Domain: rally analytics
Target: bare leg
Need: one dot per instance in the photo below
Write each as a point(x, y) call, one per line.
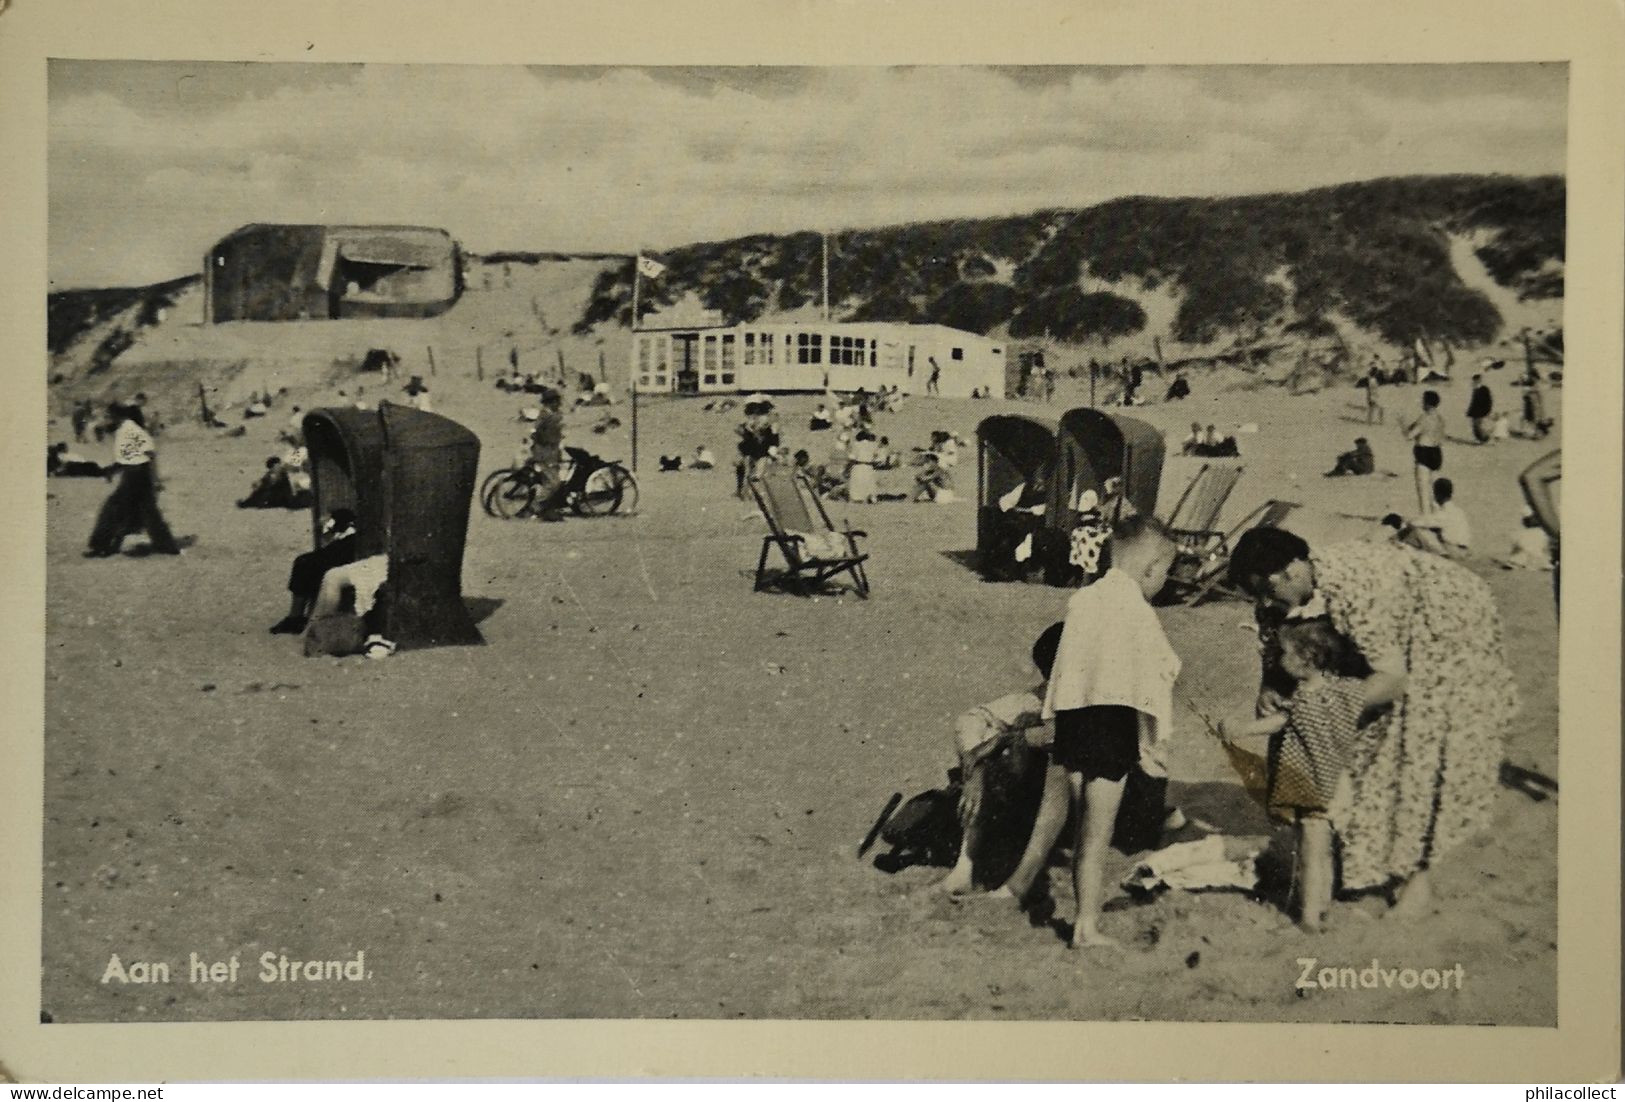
point(1314, 871)
point(1097, 817)
point(1053, 808)
point(1424, 489)
point(960, 879)
point(1415, 897)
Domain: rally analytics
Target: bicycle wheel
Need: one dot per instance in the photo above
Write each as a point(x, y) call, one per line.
point(609, 489)
point(512, 496)
point(488, 487)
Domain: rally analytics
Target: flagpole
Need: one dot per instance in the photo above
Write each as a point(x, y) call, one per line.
point(637, 283)
point(826, 276)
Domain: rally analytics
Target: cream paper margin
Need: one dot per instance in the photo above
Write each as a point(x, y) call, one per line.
point(1587, 34)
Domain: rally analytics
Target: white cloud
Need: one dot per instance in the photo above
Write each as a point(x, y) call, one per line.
point(504, 157)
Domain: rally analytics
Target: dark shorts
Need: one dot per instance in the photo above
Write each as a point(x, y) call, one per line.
point(1430, 457)
point(1100, 742)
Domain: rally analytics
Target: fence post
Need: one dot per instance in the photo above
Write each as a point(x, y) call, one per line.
point(431, 359)
point(479, 364)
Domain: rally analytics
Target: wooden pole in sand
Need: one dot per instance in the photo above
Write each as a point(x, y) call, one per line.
point(479, 364)
point(431, 359)
point(560, 352)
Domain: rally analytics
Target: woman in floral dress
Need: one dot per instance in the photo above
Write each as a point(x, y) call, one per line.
point(1423, 774)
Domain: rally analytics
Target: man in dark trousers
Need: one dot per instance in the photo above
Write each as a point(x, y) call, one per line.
point(305, 578)
point(1479, 408)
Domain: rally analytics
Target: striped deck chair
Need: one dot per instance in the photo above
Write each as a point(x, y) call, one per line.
point(814, 550)
point(1195, 581)
point(1195, 517)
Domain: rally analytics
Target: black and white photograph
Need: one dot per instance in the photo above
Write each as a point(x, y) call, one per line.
point(942, 542)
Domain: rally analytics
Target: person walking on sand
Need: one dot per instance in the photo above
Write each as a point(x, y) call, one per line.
point(1479, 408)
point(1426, 435)
point(935, 376)
point(133, 504)
point(1374, 413)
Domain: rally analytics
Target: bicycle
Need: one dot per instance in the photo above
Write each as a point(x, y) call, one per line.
point(513, 492)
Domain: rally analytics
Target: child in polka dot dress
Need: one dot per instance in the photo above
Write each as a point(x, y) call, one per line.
point(1310, 749)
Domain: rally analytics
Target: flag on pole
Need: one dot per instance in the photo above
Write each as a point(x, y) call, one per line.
point(650, 268)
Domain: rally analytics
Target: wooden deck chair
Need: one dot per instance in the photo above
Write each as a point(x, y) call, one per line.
point(1195, 517)
point(799, 523)
point(1194, 581)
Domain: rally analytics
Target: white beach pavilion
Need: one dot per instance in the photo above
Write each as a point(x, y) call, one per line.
point(813, 356)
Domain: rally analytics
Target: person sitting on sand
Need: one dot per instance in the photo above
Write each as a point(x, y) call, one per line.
point(270, 491)
point(1531, 547)
point(1311, 743)
point(933, 482)
point(1111, 698)
point(886, 457)
point(1216, 446)
point(1010, 729)
point(305, 577)
point(1442, 530)
point(1178, 389)
point(1192, 444)
point(820, 419)
point(703, 459)
point(1360, 461)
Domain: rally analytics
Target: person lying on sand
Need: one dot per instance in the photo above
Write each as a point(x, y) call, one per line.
point(60, 462)
point(1012, 725)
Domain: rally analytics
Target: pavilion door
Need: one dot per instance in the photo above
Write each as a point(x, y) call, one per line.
point(685, 362)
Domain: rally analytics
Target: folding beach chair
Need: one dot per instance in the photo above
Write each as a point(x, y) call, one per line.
point(1195, 579)
point(814, 550)
point(1195, 517)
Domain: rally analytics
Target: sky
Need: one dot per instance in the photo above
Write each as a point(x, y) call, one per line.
point(151, 162)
